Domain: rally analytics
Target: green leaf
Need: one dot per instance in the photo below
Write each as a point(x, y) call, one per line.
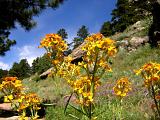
point(78, 109)
point(74, 116)
point(67, 103)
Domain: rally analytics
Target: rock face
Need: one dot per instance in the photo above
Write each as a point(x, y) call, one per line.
point(138, 26)
point(135, 42)
point(46, 73)
point(5, 106)
point(78, 53)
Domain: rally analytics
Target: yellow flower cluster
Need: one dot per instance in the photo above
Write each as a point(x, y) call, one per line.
point(10, 87)
point(13, 91)
point(150, 72)
point(81, 84)
point(98, 41)
point(55, 47)
point(98, 50)
point(84, 84)
point(83, 87)
point(69, 71)
point(53, 41)
point(28, 100)
point(122, 87)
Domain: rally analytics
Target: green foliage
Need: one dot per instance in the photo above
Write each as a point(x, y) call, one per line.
point(82, 33)
point(22, 12)
point(21, 70)
point(57, 113)
point(106, 29)
point(62, 32)
point(123, 15)
point(77, 42)
point(5, 43)
point(35, 65)
point(3, 73)
point(152, 6)
point(41, 64)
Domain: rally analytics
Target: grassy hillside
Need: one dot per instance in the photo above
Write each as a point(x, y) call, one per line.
point(135, 106)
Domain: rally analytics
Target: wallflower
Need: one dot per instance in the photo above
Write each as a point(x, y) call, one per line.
point(8, 98)
point(150, 72)
point(83, 87)
point(10, 87)
point(112, 50)
point(122, 87)
point(55, 47)
point(98, 49)
point(53, 41)
point(28, 100)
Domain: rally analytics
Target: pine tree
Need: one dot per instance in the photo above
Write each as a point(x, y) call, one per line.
point(15, 70)
point(25, 68)
point(44, 64)
point(35, 65)
point(21, 70)
point(123, 15)
point(41, 64)
point(3, 73)
point(106, 29)
point(62, 32)
point(82, 33)
point(21, 12)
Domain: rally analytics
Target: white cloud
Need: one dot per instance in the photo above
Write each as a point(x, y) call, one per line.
point(30, 53)
point(4, 66)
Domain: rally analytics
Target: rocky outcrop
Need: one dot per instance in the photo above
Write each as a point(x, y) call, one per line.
point(135, 42)
point(45, 74)
point(77, 53)
point(138, 26)
point(5, 106)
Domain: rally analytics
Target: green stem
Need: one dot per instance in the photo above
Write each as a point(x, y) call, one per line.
point(92, 85)
point(31, 112)
point(155, 101)
point(93, 75)
point(90, 111)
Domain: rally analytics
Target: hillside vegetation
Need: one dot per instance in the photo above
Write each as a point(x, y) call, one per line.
point(137, 104)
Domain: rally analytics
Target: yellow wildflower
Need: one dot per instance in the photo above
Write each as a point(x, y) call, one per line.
point(150, 72)
point(122, 87)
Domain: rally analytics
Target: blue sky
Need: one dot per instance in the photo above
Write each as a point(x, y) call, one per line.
point(71, 15)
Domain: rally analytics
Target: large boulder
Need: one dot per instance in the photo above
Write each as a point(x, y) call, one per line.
point(135, 42)
point(5, 106)
point(45, 74)
point(77, 53)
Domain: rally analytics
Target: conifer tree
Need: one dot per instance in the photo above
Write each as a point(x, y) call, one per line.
point(21, 12)
point(21, 70)
point(62, 32)
point(82, 33)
